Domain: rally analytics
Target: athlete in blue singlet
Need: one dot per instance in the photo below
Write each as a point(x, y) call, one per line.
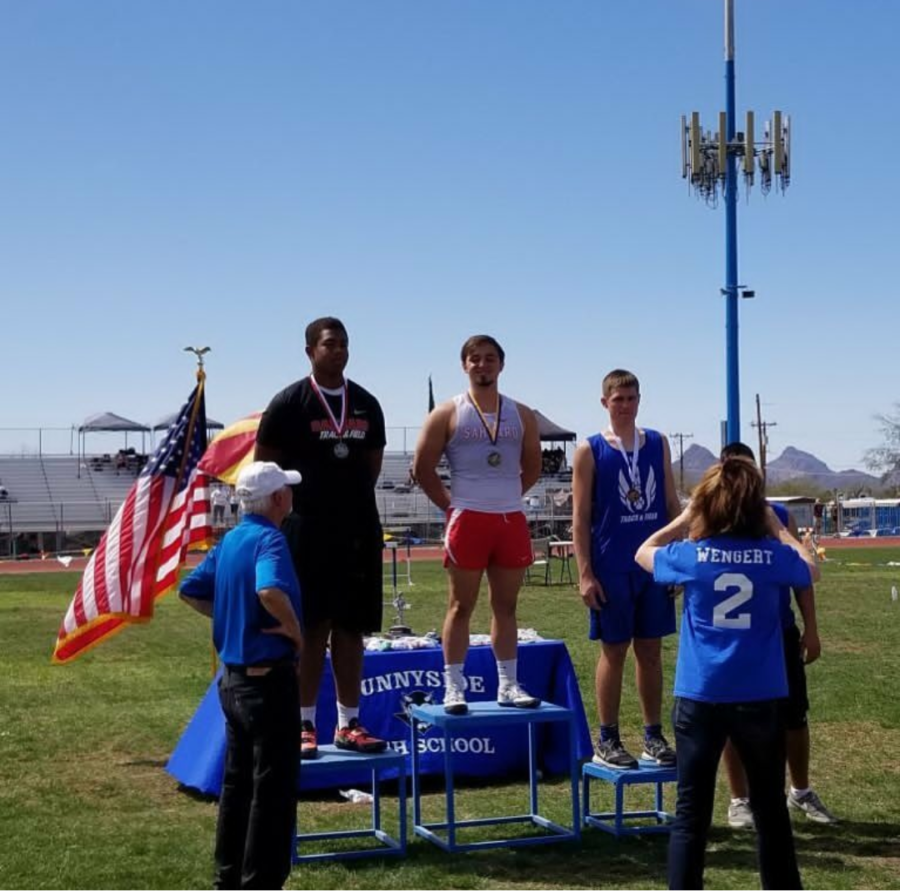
point(730, 674)
point(623, 490)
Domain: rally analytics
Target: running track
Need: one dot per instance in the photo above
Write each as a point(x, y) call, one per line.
point(419, 553)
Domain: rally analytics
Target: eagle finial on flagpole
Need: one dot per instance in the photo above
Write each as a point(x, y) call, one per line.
point(199, 353)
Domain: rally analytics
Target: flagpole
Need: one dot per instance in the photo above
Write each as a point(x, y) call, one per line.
point(201, 381)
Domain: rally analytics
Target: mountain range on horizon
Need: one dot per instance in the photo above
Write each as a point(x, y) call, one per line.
point(792, 464)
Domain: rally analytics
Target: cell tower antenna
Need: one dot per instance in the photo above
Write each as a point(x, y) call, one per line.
point(709, 162)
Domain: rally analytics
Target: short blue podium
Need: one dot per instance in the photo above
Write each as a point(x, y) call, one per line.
point(453, 727)
point(615, 822)
point(333, 761)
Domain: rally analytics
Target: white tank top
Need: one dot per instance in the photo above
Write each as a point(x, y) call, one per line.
point(486, 476)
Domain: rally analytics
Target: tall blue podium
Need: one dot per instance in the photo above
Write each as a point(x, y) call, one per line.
point(455, 729)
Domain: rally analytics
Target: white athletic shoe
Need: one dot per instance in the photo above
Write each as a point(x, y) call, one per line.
point(812, 807)
point(515, 695)
point(454, 699)
point(739, 815)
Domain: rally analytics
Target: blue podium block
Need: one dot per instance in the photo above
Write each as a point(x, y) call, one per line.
point(333, 761)
point(617, 822)
point(444, 834)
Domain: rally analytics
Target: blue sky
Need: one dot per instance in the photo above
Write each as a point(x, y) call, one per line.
point(219, 172)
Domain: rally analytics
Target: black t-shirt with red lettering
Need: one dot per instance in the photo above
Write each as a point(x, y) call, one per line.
point(337, 476)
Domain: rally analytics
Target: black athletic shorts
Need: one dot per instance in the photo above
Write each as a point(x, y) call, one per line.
point(340, 571)
point(796, 705)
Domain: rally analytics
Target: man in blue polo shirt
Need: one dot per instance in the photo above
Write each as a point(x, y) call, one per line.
point(248, 586)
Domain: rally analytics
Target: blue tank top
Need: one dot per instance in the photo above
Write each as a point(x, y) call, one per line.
point(787, 615)
point(625, 511)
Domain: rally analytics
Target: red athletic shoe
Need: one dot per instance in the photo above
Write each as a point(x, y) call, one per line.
point(355, 737)
point(309, 742)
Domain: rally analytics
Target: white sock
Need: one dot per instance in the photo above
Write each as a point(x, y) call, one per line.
point(346, 714)
point(453, 674)
point(739, 800)
point(507, 672)
point(799, 794)
point(308, 714)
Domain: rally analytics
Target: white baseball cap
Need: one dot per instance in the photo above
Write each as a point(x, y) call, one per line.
point(262, 478)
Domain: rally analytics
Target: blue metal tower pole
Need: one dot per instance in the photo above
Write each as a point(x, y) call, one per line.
point(732, 351)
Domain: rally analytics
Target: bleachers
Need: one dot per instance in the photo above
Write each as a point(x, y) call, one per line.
point(49, 494)
point(401, 504)
point(29, 506)
point(73, 495)
point(65, 493)
point(111, 488)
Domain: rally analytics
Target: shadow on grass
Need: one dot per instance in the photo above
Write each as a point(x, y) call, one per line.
point(637, 862)
point(145, 763)
point(854, 839)
point(819, 847)
point(634, 862)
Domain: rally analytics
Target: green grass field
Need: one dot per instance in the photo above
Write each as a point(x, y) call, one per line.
point(85, 800)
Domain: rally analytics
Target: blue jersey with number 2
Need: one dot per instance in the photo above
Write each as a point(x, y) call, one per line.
point(731, 641)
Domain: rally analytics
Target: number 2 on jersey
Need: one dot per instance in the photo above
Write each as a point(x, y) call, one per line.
point(744, 586)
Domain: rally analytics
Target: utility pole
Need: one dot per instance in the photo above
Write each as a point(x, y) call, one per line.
point(681, 438)
point(763, 429)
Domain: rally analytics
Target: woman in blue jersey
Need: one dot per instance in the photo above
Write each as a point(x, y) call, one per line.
point(730, 673)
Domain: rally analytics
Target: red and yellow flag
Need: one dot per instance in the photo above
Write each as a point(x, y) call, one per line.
point(231, 450)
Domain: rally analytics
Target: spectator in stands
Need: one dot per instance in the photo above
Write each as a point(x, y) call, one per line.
point(235, 504)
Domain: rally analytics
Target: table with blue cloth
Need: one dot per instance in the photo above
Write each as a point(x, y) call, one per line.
point(394, 680)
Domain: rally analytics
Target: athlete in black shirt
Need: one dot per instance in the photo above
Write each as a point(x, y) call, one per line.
point(331, 430)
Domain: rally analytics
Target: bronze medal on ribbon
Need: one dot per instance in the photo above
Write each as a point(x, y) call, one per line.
point(341, 449)
point(494, 458)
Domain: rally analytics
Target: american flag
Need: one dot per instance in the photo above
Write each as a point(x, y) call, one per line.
point(140, 555)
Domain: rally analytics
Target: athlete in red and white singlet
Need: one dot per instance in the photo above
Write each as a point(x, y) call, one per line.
point(491, 443)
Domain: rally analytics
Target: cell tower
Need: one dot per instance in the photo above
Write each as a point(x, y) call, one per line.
point(709, 160)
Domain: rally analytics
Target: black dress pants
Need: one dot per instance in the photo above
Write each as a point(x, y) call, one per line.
point(254, 836)
point(756, 730)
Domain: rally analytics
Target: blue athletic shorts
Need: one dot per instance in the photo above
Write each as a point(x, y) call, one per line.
point(636, 607)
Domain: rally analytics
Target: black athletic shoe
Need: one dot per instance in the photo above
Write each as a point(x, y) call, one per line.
point(657, 749)
point(612, 754)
